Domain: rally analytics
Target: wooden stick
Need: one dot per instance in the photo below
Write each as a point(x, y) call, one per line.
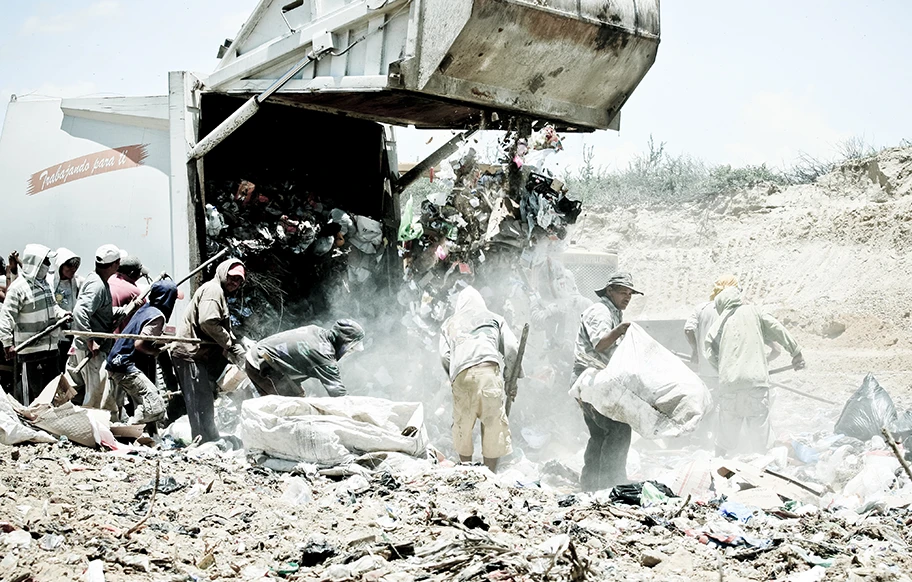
point(514, 373)
point(151, 501)
point(41, 334)
point(153, 338)
point(892, 442)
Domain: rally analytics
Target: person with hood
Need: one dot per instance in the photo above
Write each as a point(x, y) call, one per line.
point(476, 348)
point(64, 284)
point(94, 311)
point(198, 366)
point(698, 325)
point(28, 309)
point(735, 346)
point(279, 363)
point(131, 359)
point(600, 332)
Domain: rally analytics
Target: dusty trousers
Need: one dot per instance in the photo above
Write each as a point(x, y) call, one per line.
point(269, 381)
point(197, 384)
point(478, 394)
point(743, 421)
point(605, 459)
point(38, 370)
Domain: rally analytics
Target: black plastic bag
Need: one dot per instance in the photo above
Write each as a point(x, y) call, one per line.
point(901, 427)
point(629, 493)
point(867, 411)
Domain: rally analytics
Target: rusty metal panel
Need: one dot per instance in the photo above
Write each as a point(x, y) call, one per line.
point(571, 61)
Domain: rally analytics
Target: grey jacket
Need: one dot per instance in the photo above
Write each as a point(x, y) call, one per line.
point(474, 335)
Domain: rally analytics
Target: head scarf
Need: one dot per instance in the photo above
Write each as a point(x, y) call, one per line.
point(723, 282)
point(346, 335)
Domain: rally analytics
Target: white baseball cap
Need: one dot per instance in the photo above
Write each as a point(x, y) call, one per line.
point(107, 254)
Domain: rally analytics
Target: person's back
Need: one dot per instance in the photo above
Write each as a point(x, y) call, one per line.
point(472, 334)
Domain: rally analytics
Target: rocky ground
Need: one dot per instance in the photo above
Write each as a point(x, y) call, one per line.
point(830, 259)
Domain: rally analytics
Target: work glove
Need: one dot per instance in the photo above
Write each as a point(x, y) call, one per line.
point(798, 362)
point(10, 353)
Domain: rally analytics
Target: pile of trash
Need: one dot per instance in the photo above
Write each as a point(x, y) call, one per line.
point(295, 245)
point(480, 221)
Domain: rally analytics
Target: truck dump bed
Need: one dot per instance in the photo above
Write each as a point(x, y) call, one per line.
point(448, 63)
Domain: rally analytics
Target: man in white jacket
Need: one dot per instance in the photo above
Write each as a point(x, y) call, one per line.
point(736, 346)
point(64, 284)
point(476, 346)
point(29, 308)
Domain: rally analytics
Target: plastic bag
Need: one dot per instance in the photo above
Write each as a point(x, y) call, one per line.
point(409, 227)
point(632, 493)
point(647, 387)
point(867, 411)
point(901, 427)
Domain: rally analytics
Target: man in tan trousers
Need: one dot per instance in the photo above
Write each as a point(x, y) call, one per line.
point(475, 347)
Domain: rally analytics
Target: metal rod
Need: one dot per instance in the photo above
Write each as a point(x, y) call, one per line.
point(214, 258)
point(805, 394)
point(444, 151)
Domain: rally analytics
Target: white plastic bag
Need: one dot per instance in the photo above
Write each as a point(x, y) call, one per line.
point(647, 387)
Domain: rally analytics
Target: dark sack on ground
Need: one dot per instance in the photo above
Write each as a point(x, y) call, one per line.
point(867, 411)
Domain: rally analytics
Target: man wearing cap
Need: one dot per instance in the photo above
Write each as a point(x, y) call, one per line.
point(94, 311)
point(123, 283)
point(279, 363)
point(600, 331)
point(198, 366)
point(736, 347)
point(28, 309)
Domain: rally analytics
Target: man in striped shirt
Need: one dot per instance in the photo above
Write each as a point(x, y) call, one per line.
point(29, 308)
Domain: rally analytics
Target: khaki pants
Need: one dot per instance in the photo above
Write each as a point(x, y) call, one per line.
point(148, 403)
point(743, 421)
point(478, 393)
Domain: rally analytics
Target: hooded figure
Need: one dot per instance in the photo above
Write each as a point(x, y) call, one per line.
point(279, 363)
point(698, 325)
point(28, 309)
point(198, 366)
point(735, 346)
point(131, 363)
point(64, 284)
point(475, 347)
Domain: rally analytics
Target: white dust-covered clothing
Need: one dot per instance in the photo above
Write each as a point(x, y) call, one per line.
point(736, 343)
point(473, 335)
point(700, 322)
point(596, 323)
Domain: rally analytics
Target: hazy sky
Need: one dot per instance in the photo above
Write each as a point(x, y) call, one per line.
point(734, 82)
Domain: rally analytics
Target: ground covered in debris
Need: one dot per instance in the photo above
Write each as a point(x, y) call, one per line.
point(829, 259)
point(69, 511)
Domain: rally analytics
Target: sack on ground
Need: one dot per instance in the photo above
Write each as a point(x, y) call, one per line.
point(867, 411)
point(647, 387)
point(331, 431)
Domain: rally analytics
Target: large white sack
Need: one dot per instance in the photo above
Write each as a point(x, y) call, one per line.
point(13, 431)
point(647, 387)
point(330, 431)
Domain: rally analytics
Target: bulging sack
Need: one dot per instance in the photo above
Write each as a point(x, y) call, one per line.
point(331, 431)
point(867, 411)
point(647, 387)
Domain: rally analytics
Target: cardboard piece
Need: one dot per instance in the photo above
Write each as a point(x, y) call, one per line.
point(762, 497)
point(780, 485)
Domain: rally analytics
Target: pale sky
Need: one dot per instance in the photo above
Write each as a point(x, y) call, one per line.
point(734, 82)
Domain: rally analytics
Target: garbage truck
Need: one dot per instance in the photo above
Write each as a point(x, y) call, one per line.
point(311, 90)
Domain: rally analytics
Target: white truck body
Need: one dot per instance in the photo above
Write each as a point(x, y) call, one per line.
point(80, 173)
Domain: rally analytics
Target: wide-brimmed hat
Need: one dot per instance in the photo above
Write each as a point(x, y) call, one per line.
point(620, 279)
